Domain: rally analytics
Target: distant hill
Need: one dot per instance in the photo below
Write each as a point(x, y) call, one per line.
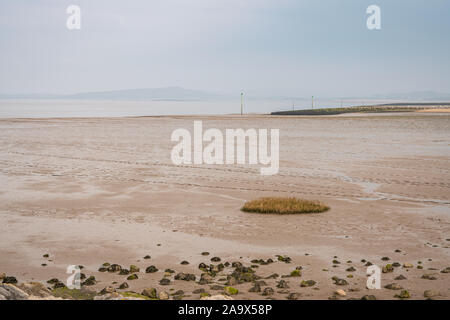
point(146, 94)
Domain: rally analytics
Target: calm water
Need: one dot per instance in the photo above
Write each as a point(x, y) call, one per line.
point(84, 108)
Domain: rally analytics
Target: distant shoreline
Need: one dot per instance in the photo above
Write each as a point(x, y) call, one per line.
point(396, 107)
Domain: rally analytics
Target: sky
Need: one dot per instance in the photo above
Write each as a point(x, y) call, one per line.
point(269, 48)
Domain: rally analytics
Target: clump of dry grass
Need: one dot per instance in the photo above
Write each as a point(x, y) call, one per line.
point(283, 206)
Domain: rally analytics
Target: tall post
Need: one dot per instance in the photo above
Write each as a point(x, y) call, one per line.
point(242, 103)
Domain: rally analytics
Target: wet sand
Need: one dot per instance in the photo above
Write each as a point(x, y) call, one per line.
point(93, 190)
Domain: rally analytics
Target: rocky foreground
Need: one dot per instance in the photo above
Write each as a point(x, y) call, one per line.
point(234, 280)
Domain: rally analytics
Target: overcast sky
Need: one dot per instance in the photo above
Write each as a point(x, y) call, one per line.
point(278, 47)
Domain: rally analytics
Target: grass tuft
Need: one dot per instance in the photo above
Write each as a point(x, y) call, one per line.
point(283, 206)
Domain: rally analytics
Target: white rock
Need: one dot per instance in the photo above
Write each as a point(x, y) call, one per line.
point(217, 297)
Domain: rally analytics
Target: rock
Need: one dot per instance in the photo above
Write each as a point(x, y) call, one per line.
point(11, 280)
point(170, 271)
point(388, 268)
point(114, 268)
point(296, 273)
point(10, 292)
point(102, 269)
point(124, 272)
point(185, 276)
point(336, 261)
point(205, 253)
point(400, 277)
point(339, 282)
point(151, 269)
point(340, 292)
point(408, 265)
point(294, 296)
point(446, 270)
point(134, 269)
point(308, 283)
point(273, 276)
point(107, 290)
point(178, 293)
point(430, 293)
point(404, 294)
point(199, 290)
point(396, 264)
point(164, 282)
point(124, 285)
point(205, 278)
point(217, 297)
point(216, 287)
point(385, 259)
point(59, 285)
point(150, 292)
point(46, 255)
point(282, 284)
point(398, 250)
point(256, 288)
point(429, 276)
point(369, 297)
point(89, 281)
point(284, 259)
point(2, 276)
point(163, 295)
point(35, 289)
point(133, 276)
point(215, 259)
point(184, 262)
point(393, 286)
point(147, 257)
point(268, 291)
point(230, 290)
point(53, 281)
point(351, 269)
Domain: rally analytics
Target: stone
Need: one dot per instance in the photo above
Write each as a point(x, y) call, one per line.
point(10, 292)
point(256, 288)
point(387, 268)
point(393, 286)
point(151, 269)
point(446, 270)
point(400, 277)
point(430, 293)
point(369, 297)
point(230, 290)
point(404, 294)
point(429, 276)
point(134, 269)
point(296, 273)
point(284, 259)
point(133, 276)
point(199, 290)
point(164, 282)
point(307, 283)
point(215, 259)
point(11, 280)
point(124, 272)
point(396, 264)
point(123, 285)
point(147, 257)
point(114, 268)
point(170, 271)
point(35, 289)
point(339, 282)
point(268, 291)
point(163, 295)
point(273, 276)
point(340, 292)
point(205, 253)
point(351, 269)
point(385, 259)
point(184, 262)
point(282, 284)
point(89, 281)
point(107, 290)
point(102, 269)
point(293, 296)
point(150, 292)
point(408, 265)
point(216, 287)
point(205, 278)
point(185, 276)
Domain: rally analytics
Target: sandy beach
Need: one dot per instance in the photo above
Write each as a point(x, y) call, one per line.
point(87, 191)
